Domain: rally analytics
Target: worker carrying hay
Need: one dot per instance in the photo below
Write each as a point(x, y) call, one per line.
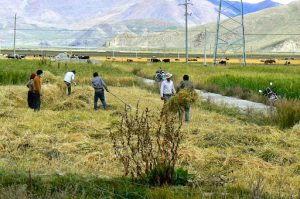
point(187, 85)
point(184, 98)
point(69, 79)
point(99, 85)
point(37, 90)
point(167, 89)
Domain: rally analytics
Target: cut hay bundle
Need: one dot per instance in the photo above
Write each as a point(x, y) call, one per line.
point(49, 77)
point(183, 98)
point(69, 104)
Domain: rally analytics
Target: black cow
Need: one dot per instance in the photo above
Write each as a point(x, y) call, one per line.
point(270, 61)
point(223, 62)
point(129, 60)
point(155, 60)
point(193, 59)
point(166, 60)
point(83, 57)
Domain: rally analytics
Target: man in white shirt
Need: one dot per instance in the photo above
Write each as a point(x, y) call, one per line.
point(167, 88)
point(69, 78)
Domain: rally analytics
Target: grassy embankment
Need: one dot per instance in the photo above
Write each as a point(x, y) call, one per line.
point(67, 149)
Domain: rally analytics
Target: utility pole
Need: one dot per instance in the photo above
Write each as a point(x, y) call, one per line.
point(205, 41)
point(15, 33)
point(186, 4)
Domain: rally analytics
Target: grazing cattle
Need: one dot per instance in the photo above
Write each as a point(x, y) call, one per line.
point(193, 59)
point(84, 57)
point(223, 62)
point(270, 61)
point(166, 60)
point(16, 56)
point(177, 59)
point(129, 60)
point(73, 56)
point(287, 62)
point(155, 60)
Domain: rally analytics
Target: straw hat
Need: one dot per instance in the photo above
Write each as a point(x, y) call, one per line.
point(169, 75)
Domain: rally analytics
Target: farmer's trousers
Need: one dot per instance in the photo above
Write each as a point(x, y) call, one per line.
point(99, 94)
point(187, 113)
point(36, 101)
point(69, 87)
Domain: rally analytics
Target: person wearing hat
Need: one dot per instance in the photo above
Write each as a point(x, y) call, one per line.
point(167, 88)
point(69, 78)
point(188, 85)
point(37, 88)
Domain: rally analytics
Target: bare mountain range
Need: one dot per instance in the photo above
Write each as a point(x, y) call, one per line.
point(270, 30)
point(93, 23)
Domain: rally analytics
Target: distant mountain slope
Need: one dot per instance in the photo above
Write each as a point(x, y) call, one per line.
point(273, 29)
point(97, 21)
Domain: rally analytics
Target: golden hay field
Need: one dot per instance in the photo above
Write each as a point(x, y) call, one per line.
point(180, 60)
point(68, 136)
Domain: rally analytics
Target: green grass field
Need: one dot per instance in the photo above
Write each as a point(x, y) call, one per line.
point(65, 150)
point(286, 79)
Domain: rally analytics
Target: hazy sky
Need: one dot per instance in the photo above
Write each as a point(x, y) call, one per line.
point(256, 1)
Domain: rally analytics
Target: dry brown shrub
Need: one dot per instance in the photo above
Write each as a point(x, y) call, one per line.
point(143, 142)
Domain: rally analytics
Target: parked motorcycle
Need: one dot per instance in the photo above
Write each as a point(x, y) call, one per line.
point(160, 75)
point(270, 93)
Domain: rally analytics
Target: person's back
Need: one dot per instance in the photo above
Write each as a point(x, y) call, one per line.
point(188, 85)
point(185, 84)
point(37, 90)
point(69, 77)
point(99, 85)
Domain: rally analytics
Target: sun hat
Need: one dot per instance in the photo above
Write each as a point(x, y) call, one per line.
point(169, 75)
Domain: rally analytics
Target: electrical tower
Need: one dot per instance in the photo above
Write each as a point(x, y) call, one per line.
point(230, 34)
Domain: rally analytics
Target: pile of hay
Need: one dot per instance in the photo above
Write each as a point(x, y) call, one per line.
point(183, 98)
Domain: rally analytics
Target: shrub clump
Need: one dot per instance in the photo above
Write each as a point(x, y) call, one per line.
point(148, 146)
point(288, 112)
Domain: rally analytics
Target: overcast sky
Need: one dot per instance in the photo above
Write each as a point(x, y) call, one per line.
point(256, 1)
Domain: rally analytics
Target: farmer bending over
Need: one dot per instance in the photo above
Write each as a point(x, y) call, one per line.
point(99, 85)
point(69, 78)
point(167, 88)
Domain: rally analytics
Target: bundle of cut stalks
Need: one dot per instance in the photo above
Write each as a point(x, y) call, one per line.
point(183, 98)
